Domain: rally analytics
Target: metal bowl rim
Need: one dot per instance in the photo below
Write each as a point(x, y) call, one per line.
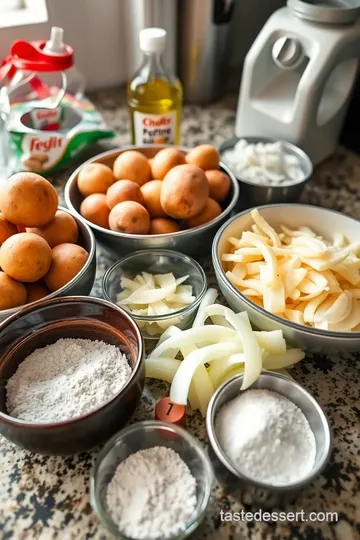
point(279, 320)
point(178, 234)
point(152, 318)
point(287, 145)
point(210, 428)
point(10, 311)
point(171, 428)
point(64, 299)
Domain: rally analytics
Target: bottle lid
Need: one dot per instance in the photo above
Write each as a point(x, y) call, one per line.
point(55, 45)
point(152, 40)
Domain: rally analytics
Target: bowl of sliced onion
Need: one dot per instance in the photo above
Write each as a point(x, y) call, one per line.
point(158, 288)
point(296, 268)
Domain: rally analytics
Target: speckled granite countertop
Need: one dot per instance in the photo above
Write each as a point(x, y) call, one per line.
point(48, 497)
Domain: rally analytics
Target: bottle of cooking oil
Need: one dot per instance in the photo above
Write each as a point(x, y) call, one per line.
point(154, 96)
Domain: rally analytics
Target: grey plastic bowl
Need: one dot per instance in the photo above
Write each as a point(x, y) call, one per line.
point(193, 242)
point(83, 282)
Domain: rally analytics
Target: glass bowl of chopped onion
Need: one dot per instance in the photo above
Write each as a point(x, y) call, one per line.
point(158, 288)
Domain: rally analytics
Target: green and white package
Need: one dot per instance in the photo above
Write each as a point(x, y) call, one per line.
point(46, 140)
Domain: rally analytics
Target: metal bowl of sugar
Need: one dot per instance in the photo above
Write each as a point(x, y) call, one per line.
point(256, 194)
point(151, 480)
point(244, 487)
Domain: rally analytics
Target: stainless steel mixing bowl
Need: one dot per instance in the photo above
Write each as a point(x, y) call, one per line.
point(83, 282)
point(255, 194)
point(192, 242)
point(244, 488)
point(324, 222)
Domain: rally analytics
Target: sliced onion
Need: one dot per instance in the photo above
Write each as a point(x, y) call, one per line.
point(209, 298)
point(180, 386)
point(197, 336)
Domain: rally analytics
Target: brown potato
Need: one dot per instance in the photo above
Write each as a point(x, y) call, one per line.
point(211, 211)
point(95, 209)
point(94, 178)
point(150, 163)
point(61, 229)
point(163, 226)
point(7, 229)
point(25, 257)
point(151, 193)
point(184, 191)
point(219, 184)
point(132, 165)
point(204, 156)
point(129, 217)
point(12, 293)
point(28, 199)
point(67, 261)
point(165, 160)
point(123, 190)
point(36, 291)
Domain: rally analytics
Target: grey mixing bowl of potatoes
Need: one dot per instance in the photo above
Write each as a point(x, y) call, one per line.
point(79, 285)
point(154, 196)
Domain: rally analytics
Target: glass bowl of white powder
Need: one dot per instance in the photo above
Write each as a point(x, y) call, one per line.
point(269, 442)
point(151, 481)
point(268, 171)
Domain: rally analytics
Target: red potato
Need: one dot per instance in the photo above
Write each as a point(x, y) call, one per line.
point(219, 184)
point(164, 226)
point(129, 217)
point(123, 190)
point(12, 293)
point(184, 192)
point(61, 229)
point(94, 178)
point(132, 165)
point(28, 199)
point(151, 192)
point(165, 160)
point(7, 229)
point(95, 210)
point(211, 210)
point(25, 257)
point(204, 156)
point(67, 261)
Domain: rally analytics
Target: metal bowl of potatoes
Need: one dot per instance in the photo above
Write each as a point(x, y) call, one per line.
point(194, 242)
point(83, 282)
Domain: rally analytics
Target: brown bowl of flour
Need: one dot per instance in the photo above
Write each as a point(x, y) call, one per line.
point(71, 374)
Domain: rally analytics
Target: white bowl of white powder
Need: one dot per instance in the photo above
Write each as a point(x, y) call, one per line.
point(152, 481)
point(268, 442)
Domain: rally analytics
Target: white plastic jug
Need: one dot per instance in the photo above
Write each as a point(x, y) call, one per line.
point(299, 73)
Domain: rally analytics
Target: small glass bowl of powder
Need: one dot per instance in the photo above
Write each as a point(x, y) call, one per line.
point(151, 481)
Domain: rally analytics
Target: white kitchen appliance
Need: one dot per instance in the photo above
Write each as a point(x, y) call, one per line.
point(299, 73)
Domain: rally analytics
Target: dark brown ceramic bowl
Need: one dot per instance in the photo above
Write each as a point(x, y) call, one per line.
point(73, 317)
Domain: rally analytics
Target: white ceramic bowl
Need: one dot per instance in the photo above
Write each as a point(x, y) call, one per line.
point(325, 223)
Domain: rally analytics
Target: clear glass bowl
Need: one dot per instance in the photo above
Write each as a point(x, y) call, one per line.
point(157, 261)
point(147, 435)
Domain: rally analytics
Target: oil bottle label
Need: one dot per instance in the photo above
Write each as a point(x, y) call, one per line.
point(155, 128)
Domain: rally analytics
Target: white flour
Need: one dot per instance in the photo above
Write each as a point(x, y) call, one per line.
point(267, 437)
point(152, 494)
point(66, 379)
